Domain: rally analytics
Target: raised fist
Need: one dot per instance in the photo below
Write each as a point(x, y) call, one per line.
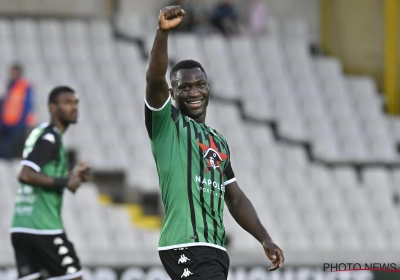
point(170, 17)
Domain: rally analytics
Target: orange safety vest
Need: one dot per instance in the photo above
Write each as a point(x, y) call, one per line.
point(13, 107)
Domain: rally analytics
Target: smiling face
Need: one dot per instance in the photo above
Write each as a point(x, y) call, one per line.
point(191, 93)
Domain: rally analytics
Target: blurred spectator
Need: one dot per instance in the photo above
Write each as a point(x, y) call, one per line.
point(225, 18)
point(16, 112)
point(258, 17)
point(199, 17)
point(185, 24)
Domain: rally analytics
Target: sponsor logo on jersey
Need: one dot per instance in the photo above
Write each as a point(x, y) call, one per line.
point(209, 182)
point(23, 210)
point(212, 155)
point(49, 137)
point(27, 189)
point(26, 198)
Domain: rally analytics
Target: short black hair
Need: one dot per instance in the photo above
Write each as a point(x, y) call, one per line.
point(184, 64)
point(17, 66)
point(57, 91)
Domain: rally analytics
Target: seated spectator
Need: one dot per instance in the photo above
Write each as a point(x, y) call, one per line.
point(225, 18)
point(199, 17)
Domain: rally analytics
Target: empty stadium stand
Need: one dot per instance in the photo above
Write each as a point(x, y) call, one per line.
point(321, 167)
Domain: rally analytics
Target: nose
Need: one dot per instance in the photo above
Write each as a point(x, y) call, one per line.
point(194, 91)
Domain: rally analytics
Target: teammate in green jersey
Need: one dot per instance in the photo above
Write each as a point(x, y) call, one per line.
point(42, 249)
point(194, 168)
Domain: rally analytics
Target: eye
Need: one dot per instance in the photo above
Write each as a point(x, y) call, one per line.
point(202, 85)
point(185, 88)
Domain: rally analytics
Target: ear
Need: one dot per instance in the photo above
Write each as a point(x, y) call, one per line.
point(52, 108)
point(171, 92)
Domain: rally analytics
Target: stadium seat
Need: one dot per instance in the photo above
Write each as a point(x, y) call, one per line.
point(185, 46)
point(308, 201)
point(328, 68)
point(364, 220)
point(276, 80)
point(76, 31)
point(326, 149)
point(294, 178)
point(354, 198)
point(375, 240)
point(295, 28)
point(323, 240)
point(349, 240)
point(131, 25)
point(377, 178)
point(339, 220)
point(298, 241)
point(272, 60)
point(320, 177)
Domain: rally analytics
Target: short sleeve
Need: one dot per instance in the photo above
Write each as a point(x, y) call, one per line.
point(159, 121)
point(46, 149)
point(229, 175)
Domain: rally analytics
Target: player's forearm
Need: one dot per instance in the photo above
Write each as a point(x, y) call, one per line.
point(158, 59)
point(31, 177)
point(246, 216)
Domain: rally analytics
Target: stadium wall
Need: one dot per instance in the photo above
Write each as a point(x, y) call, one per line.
point(353, 31)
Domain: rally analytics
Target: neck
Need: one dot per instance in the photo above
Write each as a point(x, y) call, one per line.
point(62, 126)
point(201, 119)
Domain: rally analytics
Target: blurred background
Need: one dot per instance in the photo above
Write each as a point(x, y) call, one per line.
point(305, 91)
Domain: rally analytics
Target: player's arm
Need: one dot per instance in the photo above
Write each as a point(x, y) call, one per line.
point(30, 176)
point(157, 91)
point(246, 216)
point(45, 150)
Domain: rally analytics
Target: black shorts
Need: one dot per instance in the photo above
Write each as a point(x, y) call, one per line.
point(197, 262)
point(49, 256)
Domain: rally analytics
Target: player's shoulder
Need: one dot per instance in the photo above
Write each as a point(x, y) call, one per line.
point(217, 133)
point(49, 133)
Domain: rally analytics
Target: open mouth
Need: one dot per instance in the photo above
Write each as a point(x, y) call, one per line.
point(194, 104)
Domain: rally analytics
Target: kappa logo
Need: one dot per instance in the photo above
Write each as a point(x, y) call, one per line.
point(49, 137)
point(213, 156)
point(186, 273)
point(67, 260)
point(71, 270)
point(63, 250)
point(58, 241)
point(183, 259)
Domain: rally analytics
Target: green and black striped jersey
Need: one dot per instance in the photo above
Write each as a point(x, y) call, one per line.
point(193, 165)
point(38, 209)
